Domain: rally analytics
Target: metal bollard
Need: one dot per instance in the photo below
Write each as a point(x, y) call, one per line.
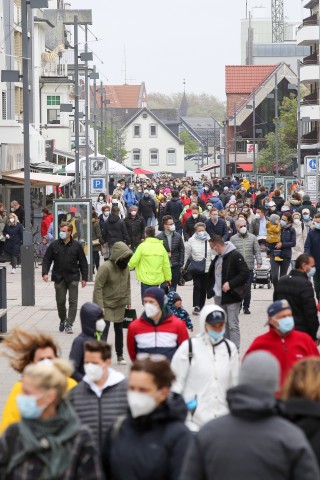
point(3, 300)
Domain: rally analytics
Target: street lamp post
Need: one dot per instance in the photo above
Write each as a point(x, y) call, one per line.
point(76, 107)
point(235, 135)
point(276, 118)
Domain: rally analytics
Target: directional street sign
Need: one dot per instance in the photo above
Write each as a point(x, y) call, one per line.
point(310, 164)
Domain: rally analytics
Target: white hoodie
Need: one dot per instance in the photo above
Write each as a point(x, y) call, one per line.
point(211, 373)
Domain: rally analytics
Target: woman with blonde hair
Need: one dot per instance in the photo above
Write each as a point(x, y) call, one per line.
point(301, 400)
point(23, 349)
point(49, 442)
point(13, 233)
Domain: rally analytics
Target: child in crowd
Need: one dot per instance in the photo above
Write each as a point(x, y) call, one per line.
point(43, 248)
point(175, 304)
point(273, 236)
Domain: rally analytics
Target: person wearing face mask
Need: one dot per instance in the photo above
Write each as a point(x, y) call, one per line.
point(312, 247)
point(284, 249)
point(157, 331)
point(205, 374)
point(93, 327)
point(232, 210)
point(227, 283)
point(301, 236)
point(191, 220)
point(13, 234)
point(24, 348)
point(151, 440)
point(101, 397)
point(258, 203)
point(297, 289)
point(49, 442)
point(147, 208)
point(307, 221)
point(216, 225)
point(307, 204)
point(116, 201)
point(135, 227)
point(175, 208)
point(282, 340)
point(112, 293)
point(197, 249)
point(100, 203)
point(129, 196)
point(174, 245)
point(247, 244)
point(69, 262)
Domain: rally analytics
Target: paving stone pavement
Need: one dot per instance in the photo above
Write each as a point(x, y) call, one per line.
point(43, 317)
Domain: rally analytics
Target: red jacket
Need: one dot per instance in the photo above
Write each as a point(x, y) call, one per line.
point(187, 214)
point(288, 350)
point(185, 200)
point(45, 224)
point(145, 336)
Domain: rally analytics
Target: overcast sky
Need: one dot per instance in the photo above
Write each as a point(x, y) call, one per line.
point(170, 40)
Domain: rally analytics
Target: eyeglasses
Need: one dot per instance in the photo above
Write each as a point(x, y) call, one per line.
point(156, 357)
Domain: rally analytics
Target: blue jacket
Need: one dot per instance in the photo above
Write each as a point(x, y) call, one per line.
point(312, 246)
point(129, 197)
point(216, 203)
point(179, 312)
point(288, 240)
point(220, 229)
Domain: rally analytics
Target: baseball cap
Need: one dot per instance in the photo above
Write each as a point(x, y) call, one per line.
point(216, 316)
point(277, 307)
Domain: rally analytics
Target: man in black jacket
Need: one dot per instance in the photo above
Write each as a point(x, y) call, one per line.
point(69, 261)
point(174, 208)
point(297, 289)
point(174, 245)
point(216, 225)
point(147, 208)
point(115, 229)
point(270, 448)
point(228, 272)
point(135, 227)
point(258, 201)
point(188, 227)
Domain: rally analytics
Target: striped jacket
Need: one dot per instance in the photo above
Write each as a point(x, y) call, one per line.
point(164, 337)
point(99, 412)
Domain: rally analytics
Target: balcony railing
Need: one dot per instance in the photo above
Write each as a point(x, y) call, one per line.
point(311, 59)
point(312, 20)
point(311, 99)
point(54, 69)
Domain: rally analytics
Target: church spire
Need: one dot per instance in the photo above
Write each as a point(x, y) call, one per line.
point(183, 109)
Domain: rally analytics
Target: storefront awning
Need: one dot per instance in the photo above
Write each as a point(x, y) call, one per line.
point(38, 179)
point(246, 167)
point(209, 167)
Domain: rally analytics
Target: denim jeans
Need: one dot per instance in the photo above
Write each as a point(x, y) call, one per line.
point(61, 298)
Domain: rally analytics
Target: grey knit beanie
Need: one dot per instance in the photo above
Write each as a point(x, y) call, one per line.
point(261, 370)
point(274, 217)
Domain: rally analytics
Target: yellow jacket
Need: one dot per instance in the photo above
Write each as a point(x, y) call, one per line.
point(246, 184)
point(151, 262)
point(11, 412)
point(273, 232)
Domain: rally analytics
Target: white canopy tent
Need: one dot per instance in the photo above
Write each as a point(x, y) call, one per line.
point(114, 167)
point(38, 179)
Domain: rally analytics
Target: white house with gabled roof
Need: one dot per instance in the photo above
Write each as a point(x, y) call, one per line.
point(151, 145)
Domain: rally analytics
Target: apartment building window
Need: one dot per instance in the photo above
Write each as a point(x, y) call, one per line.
point(154, 157)
point(153, 130)
point(4, 105)
point(136, 131)
point(53, 100)
point(136, 157)
point(53, 116)
point(171, 156)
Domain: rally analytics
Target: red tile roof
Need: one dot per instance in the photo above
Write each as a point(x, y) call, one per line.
point(244, 78)
point(125, 96)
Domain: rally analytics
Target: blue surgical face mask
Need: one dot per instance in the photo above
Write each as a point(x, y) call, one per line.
point(201, 235)
point(62, 235)
point(216, 336)
point(311, 272)
point(266, 205)
point(317, 226)
point(283, 223)
point(286, 324)
point(306, 217)
point(27, 405)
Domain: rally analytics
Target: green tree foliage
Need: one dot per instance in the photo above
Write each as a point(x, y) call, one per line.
point(288, 138)
point(111, 145)
point(190, 146)
point(202, 105)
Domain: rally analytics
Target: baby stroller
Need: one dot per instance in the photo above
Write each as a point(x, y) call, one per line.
point(262, 276)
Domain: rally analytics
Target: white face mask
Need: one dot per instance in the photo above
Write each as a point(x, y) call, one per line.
point(141, 404)
point(172, 228)
point(106, 214)
point(93, 372)
point(195, 215)
point(100, 325)
point(134, 213)
point(296, 221)
point(11, 220)
point(243, 230)
point(151, 310)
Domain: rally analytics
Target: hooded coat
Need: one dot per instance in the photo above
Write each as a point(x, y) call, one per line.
point(153, 445)
point(13, 243)
point(112, 284)
point(306, 203)
point(89, 314)
point(211, 372)
point(251, 442)
point(115, 230)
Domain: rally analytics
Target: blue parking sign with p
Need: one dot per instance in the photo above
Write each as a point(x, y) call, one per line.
point(98, 183)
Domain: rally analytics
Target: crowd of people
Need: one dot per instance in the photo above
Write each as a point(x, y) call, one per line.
point(190, 406)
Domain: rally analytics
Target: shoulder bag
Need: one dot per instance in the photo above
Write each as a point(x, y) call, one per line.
point(196, 267)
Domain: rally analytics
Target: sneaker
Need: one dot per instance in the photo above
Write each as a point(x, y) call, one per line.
point(61, 327)
point(121, 361)
point(278, 259)
point(68, 329)
point(196, 311)
point(13, 271)
point(246, 311)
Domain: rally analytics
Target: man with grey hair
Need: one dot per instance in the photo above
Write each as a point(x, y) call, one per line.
point(247, 244)
point(270, 448)
point(18, 210)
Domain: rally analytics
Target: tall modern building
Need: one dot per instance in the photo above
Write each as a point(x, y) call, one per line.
point(308, 36)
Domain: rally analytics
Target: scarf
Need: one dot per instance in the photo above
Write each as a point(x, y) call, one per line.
point(46, 440)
